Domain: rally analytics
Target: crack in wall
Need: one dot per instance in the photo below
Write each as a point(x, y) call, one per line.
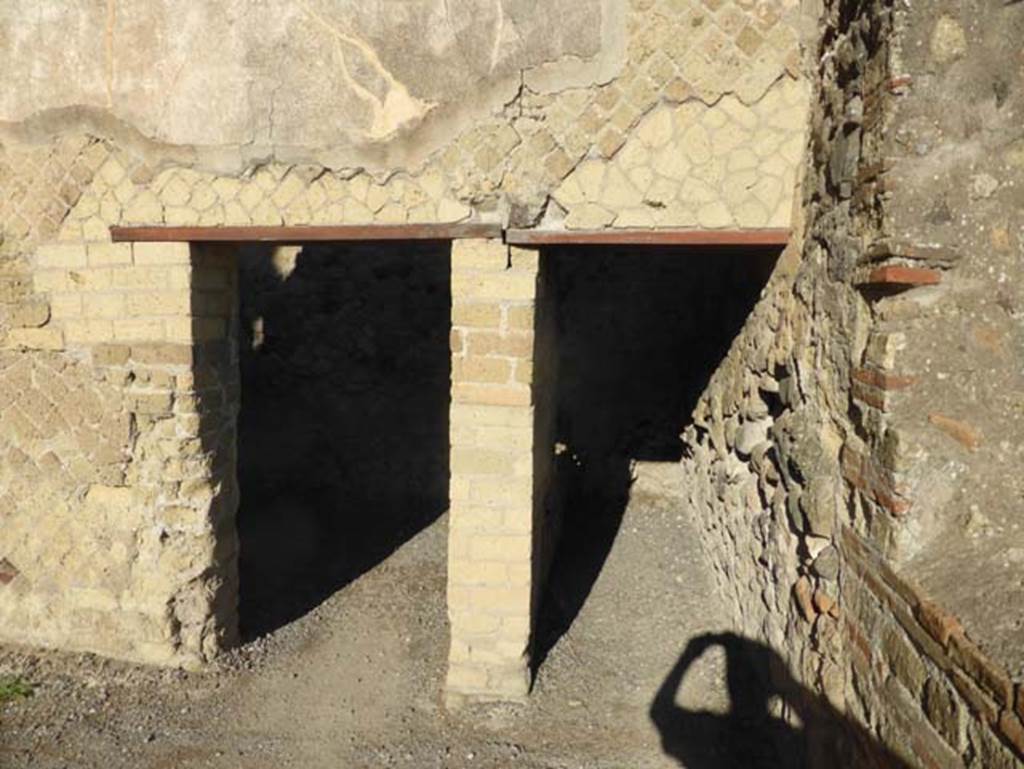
point(397, 107)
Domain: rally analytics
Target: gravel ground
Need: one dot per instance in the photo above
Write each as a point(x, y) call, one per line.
point(357, 682)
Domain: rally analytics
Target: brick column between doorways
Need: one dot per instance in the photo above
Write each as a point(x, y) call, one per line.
point(495, 472)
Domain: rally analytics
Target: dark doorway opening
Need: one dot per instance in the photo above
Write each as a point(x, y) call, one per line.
point(343, 429)
point(641, 330)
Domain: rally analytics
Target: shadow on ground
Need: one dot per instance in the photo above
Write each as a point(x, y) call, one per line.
point(343, 431)
point(639, 335)
point(753, 733)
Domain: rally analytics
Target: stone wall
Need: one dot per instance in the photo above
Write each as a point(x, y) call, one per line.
point(852, 458)
point(117, 430)
point(709, 75)
point(541, 122)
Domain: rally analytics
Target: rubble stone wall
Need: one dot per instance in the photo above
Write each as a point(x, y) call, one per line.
point(852, 458)
point(116, 427)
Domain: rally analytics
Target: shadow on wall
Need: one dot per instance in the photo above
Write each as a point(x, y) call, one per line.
point(754, 733)
point(640, 332)
point(343, 431)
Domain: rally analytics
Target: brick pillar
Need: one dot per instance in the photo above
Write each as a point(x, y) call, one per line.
point(491, 540)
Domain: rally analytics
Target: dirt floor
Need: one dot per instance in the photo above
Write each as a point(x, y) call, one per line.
point(357, 682)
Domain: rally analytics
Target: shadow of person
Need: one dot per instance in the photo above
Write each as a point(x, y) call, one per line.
point(750, 735)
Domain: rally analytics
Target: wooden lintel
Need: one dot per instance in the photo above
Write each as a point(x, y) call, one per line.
point(653, 237)
point(305, 234)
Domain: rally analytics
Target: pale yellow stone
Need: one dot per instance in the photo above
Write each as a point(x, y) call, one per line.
point(714, 119)
point(618, 192)
point(235, 214)
point(696, 144)
point(712, 173)
point(145, 208)
point(110, 209)
point(95, 229)
point(768, 190)
point(662, 192)
point(475, 254)
point(714, 215)
point(226, 188)
point(47, 338)
point(175, 192)
point(125, 191)
point(203, 197)
point(106, 306)
point(298, 212)
point(452, 211)
point(138, 330)
point(63, 306)
point(728, 138)
point(423, 213)
point(335, 189)
point(359, 187)
point(742, 158)
point(696, 191)
point(656, 129)
point(636, 217)
point(590, 177)
point(61, 255)
point(181, 216)
point(392, 213)
point(569, 192)
point(739, 113)
point(329, 213)
point(105, 254)
point(432, 183)
point(737, 184)
point(111, 172)
point(357, 213)
point(671, 162)
point(289, 188)
point(89, 331)
point(251, 196)
point(377, 197)
point(782, 214)
point(751, 213)
point(589, 216)
point(642, 178)
point(266, 214)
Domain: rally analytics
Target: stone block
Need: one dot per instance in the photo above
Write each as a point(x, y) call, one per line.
point(61, 255)
point(944, 713)
point(30, 314)
point(490, 395)
point(488, 255)
point(513, 345)
point(107, 254)
point(479, 369)
point(34, 339)
point(477, 314)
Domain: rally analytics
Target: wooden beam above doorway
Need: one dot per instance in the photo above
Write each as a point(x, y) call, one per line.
point(649, 237)
point(295, 235)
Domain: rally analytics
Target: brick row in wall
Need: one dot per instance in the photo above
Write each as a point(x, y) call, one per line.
point(920, 681)
point(125, 292)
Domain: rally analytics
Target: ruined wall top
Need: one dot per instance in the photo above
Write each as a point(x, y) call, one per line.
point(311, 76)
point(349, 83)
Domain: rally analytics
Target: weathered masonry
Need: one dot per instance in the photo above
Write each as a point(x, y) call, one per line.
point(853, 463)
